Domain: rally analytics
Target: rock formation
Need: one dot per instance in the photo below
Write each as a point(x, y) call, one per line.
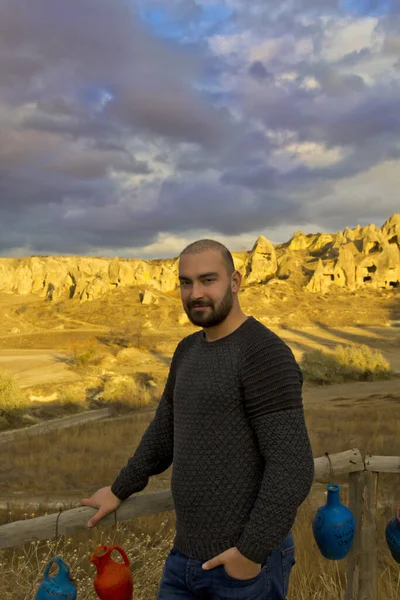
point(261, 265)
point(366, 257)
point(352, 259)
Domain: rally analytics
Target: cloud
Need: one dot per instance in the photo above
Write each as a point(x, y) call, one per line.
point(120, 127)
point(258, 70)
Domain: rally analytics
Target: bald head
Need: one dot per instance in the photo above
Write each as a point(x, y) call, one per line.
point(205, 245)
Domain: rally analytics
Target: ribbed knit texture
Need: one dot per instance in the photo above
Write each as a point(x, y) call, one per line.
point(231, 421)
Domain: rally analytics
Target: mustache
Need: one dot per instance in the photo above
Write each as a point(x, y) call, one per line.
point(193, 304)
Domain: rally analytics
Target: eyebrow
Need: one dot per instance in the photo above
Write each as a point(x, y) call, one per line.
point(211, 274)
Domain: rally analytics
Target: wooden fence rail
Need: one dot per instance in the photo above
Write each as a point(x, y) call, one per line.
point(362, 474)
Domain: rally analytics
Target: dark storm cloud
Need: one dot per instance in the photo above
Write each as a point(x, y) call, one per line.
point(334, 83)
point(71, 125)
point(78, 80)
point(259, 177)
point(227, 209)
point(96, 44)
point(258, 70)
point(110, 135)
point(361, 114)
point(96, 165)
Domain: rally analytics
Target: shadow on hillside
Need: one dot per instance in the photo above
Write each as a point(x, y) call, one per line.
point(160, 356)
point(395, 308)
point(340, 337)
point(68, 360)
point(364, 337)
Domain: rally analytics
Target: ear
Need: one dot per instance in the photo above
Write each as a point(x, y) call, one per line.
point(236, 280)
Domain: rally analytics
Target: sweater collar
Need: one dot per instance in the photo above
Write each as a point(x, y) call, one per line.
point(229, 336)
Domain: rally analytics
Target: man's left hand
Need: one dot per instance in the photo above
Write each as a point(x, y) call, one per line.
point(235, 564)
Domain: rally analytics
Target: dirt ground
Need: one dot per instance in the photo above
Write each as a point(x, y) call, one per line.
point(39, 338)
point(37, 367)
point(40, 366)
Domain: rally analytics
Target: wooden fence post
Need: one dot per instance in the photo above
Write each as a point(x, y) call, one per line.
point(356, 485)
point(362, 582)
point(369, 554)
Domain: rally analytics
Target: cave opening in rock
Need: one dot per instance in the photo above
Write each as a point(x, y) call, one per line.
point(375, 248)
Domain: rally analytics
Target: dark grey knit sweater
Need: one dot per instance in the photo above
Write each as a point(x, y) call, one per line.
point(231, 421)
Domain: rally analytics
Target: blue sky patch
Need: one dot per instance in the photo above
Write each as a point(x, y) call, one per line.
point(166, 25)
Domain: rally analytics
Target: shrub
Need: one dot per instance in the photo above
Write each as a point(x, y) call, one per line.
point(11, 395)
point(124, 337)
point(125, 391)
point(345, 363)
point(83, 357)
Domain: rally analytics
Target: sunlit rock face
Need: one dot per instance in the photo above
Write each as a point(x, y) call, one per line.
point(352, 259)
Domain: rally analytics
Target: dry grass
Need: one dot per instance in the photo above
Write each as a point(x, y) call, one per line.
point(125, 392)
point(147, 542)
point(80, 458)
point(345, 363)
point(97, 451)
point(11, 395)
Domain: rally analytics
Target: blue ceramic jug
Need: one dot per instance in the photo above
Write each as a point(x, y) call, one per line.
point(393, 535)
point(334, 526)
point(60, 585)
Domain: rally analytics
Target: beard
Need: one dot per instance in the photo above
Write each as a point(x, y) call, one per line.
point(212, 316)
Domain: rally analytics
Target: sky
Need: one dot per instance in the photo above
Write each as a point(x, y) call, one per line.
point(133, 127)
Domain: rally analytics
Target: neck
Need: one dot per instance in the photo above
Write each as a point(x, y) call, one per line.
point(235, 318)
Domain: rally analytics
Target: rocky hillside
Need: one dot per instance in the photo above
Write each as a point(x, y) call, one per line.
point(363, 257)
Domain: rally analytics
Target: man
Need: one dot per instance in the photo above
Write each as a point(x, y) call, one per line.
point(231, 420)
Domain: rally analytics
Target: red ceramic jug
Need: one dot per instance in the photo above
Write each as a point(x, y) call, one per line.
point(113, 580)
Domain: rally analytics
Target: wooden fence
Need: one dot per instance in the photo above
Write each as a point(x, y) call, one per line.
point(362, 582)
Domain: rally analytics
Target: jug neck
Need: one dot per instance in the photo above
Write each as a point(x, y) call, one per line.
point(102, 559)
point(333, 495)
point(102, 563)
point(63, 568)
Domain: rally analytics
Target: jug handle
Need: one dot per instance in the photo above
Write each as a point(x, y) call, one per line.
point(101, 547)
point(122, 552)
point(48, 567)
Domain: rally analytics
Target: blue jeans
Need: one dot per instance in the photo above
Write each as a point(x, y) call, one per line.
point(184, 579)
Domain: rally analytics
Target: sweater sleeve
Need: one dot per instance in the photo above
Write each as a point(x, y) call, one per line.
point(272, 389)
point(154, 453)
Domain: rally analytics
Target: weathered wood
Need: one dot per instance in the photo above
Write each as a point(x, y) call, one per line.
point(356, 485)
point(55, 424)
point(75, 519)
point(382, 464)
point(369, 540)
point(341, 463)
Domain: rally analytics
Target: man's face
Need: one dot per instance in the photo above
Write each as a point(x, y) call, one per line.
point(206, 290)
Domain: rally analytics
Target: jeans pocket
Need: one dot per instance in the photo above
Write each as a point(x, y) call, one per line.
point(288, 561)
point(244, 581)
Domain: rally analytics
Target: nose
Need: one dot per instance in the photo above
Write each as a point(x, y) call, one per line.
point(196, 292)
